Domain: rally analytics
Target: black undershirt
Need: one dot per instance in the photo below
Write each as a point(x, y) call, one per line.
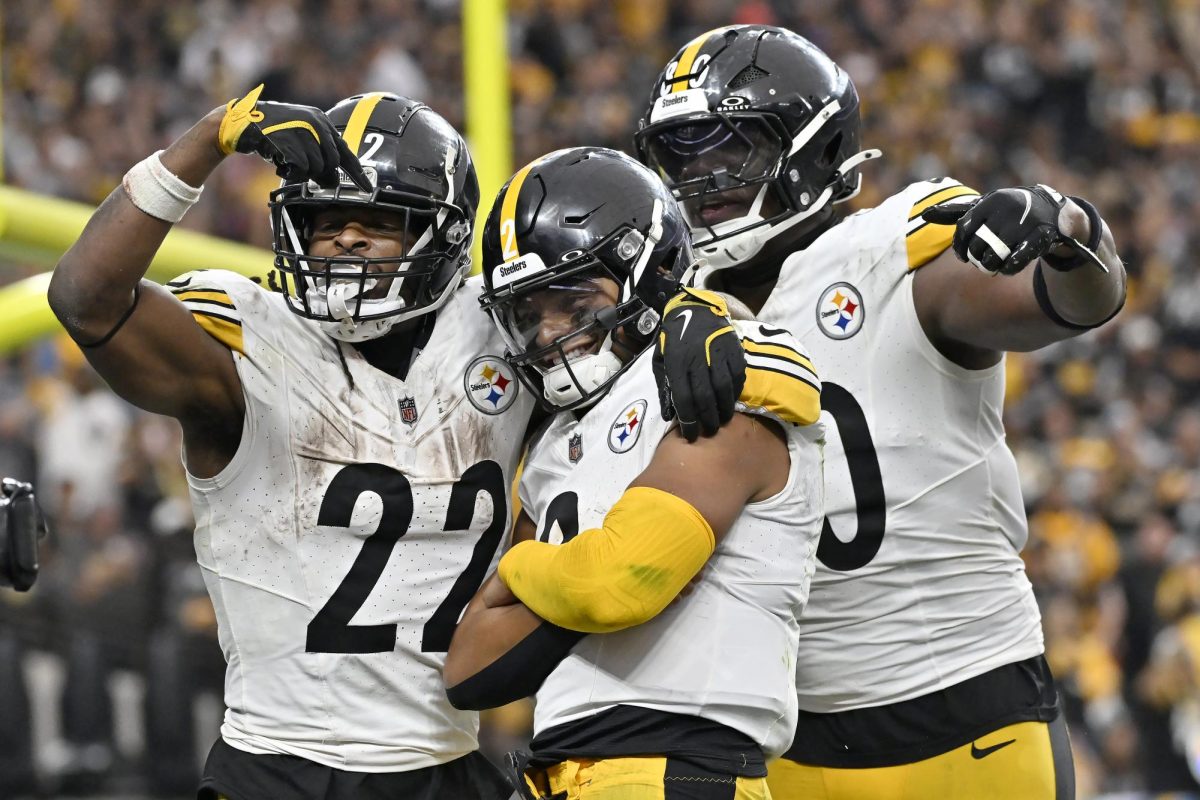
point(626, 731)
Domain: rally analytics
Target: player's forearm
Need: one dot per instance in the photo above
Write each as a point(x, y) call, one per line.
point(92, 284)
point(503, 654)
point(1086, 295)
point(483, 636)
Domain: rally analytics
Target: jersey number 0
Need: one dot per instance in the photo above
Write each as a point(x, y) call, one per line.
point(330, 630)
point(870, 506)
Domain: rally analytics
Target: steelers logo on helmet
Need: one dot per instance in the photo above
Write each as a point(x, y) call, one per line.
point(490, 384)
point(840, 311)
point(625, 429)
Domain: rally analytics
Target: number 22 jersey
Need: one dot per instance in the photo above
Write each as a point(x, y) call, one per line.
point(919, 583)
point(357, 518)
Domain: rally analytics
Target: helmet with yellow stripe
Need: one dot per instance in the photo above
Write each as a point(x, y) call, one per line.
point(420, 170)
point(756, 131)
point(581, 251)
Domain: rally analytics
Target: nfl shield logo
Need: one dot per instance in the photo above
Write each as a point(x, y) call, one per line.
point(408, 410)
point(575, 448)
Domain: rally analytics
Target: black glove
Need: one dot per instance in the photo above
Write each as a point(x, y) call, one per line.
point(1005, 230)
point(299, 140)
point(21, 526)
point(700, 379)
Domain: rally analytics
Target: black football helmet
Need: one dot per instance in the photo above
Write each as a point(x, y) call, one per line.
point(558, 228)
point(420, 168)
point(755, 130)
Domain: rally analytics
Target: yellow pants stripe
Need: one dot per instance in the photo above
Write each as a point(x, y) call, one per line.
point(642, 778)
point(1012, 763)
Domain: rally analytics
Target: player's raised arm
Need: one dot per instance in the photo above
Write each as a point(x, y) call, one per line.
point(1047, 270)
point(142, 340)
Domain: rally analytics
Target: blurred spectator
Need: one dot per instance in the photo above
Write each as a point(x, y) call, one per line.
point(1095, 97)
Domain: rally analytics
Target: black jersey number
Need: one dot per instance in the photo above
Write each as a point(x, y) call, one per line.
point(866, 480)
point(330, 630)
point(563, 511)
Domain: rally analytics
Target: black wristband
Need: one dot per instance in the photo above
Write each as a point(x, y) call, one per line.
point(1042, 294)
point(1095, 223)
point(137, 292)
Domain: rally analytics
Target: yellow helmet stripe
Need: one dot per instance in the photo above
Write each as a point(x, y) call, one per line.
point(684, 68)
point(359, 118)
point(508, 213)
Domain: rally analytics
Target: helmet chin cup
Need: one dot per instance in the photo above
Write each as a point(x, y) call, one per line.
point(590, 372)
point(351, 332)
point(738, 240)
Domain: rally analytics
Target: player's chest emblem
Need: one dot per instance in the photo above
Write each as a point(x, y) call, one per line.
point(575, 448)
point(408, 411)
point(491, 384)
point(840, 311)
point(625, 429)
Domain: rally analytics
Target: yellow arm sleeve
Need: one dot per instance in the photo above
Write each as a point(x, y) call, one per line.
point(617, 576)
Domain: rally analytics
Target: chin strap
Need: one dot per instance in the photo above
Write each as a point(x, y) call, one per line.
point(738, 248)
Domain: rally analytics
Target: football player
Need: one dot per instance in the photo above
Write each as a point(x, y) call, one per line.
point(349, 439)
point(582, 251)
point(921, 670)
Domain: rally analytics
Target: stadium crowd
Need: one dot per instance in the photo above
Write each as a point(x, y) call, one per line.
point(1095, 97)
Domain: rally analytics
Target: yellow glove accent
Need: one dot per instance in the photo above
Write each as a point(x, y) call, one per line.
point(239, 115)
point(295, 123)
point(708, 342)
point(698, 297)
point(611, 578)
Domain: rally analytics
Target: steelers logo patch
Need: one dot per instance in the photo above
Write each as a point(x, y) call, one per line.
point(625, 429)
point(840, 311)
point(491, 384)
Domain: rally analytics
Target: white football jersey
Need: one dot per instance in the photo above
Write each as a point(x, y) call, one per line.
point(919, 582)
point(727, 651)
point(353, 525)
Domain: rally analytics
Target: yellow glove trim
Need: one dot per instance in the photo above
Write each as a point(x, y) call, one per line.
point(239, 115)
point(623, 574)
point(698, 297)
point(708, 342)
point(294, 123)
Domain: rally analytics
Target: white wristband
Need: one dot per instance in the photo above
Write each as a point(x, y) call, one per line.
point(157, 191)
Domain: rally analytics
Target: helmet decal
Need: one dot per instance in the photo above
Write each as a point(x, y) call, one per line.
point(691, 68)
point(359, 118)
point(508, 213)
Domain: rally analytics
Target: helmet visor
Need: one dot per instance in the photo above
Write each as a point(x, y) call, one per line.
point(431, 239)
point(714, 163)
point(556, 321)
